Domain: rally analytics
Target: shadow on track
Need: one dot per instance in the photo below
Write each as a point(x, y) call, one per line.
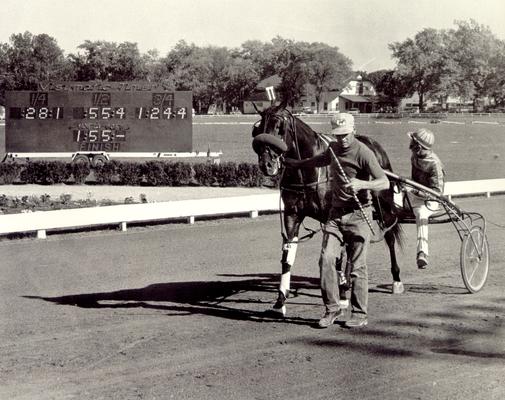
point(422, 289)
point(232, 299)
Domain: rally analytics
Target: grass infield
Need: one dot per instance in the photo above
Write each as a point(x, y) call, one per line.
point(471, 147)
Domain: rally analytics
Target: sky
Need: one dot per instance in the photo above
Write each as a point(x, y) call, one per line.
point(361, 29)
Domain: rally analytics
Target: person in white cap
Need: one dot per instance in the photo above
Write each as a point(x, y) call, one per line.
point(428, 170)
point(355, 171)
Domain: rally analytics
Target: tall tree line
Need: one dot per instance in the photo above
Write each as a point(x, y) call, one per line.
point(216, 75)
point(467, 61)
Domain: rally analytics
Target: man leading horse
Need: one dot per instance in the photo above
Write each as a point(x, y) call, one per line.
point(356, 173)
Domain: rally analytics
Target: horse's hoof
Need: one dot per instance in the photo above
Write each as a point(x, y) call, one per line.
point(279, 307)
point(398, 288)
point(279, 312)
point(344, 304)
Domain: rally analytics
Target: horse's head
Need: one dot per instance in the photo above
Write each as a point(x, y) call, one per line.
point(270, 138)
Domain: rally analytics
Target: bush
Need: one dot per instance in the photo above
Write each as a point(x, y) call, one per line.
point(107, 174)
point(203, 175)
point(46, 172)
point(80, 171)
point(249, 175)
point(152, 173)
point(130, 173)
point(178, 174)
point(9, 172)
point(226, 174)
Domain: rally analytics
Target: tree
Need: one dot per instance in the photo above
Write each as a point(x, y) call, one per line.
point(186, 68)
point(7, 78)
point(420, 62)
point(94, 62)
point(495, 83)
point(216, 75)
point(127, 63)
point(328, 69)
point(476, 55)
point(152, 64)
point(241, 79)
point(291, 64)
point(108, 61)
point(390, 87)
point(219, 59)
point(28, 60)
point(261, 55)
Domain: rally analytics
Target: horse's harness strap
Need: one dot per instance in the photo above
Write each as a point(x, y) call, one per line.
point(295, 186)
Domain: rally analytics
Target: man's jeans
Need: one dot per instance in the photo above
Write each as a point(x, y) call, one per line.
point(352, 231)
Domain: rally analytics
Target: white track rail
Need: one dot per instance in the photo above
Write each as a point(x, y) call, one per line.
point(121, 215)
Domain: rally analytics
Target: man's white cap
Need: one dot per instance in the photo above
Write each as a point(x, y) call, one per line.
point(342, 124)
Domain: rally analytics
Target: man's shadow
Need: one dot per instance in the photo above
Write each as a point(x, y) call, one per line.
point(230, 299)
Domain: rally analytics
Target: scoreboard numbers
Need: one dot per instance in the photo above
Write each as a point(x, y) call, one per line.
point(80, 116)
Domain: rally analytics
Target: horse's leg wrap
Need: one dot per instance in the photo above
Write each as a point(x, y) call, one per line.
point(287, 261)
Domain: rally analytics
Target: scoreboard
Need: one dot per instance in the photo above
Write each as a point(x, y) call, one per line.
point(99, 116)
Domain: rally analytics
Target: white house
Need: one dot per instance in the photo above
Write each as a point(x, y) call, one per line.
point(358, 96)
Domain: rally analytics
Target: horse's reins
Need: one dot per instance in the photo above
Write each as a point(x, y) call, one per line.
point(297, 148)
point(303, 184)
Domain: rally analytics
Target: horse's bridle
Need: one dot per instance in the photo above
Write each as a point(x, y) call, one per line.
point(301, 188)
point(291, 119)
point(280, 133)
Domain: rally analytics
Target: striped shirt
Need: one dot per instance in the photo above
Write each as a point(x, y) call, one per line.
point(428, 171)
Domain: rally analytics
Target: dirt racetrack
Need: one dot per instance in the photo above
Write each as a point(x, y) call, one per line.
point(178, 312)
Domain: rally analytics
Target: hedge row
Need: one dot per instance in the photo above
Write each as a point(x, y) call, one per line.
point(150, 173)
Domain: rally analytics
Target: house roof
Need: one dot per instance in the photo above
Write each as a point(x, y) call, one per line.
point(356, 98)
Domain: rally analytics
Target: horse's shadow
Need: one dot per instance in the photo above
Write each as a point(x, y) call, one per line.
point(421, 288)
point(244, 299)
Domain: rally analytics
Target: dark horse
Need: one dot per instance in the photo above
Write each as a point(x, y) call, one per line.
point(306, 192)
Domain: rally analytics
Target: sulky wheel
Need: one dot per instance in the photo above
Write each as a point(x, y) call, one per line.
point(474, 259)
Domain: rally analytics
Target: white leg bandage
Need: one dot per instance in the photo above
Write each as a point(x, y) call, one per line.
point(290, 248)
point(288, 257)
point(285, 283)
